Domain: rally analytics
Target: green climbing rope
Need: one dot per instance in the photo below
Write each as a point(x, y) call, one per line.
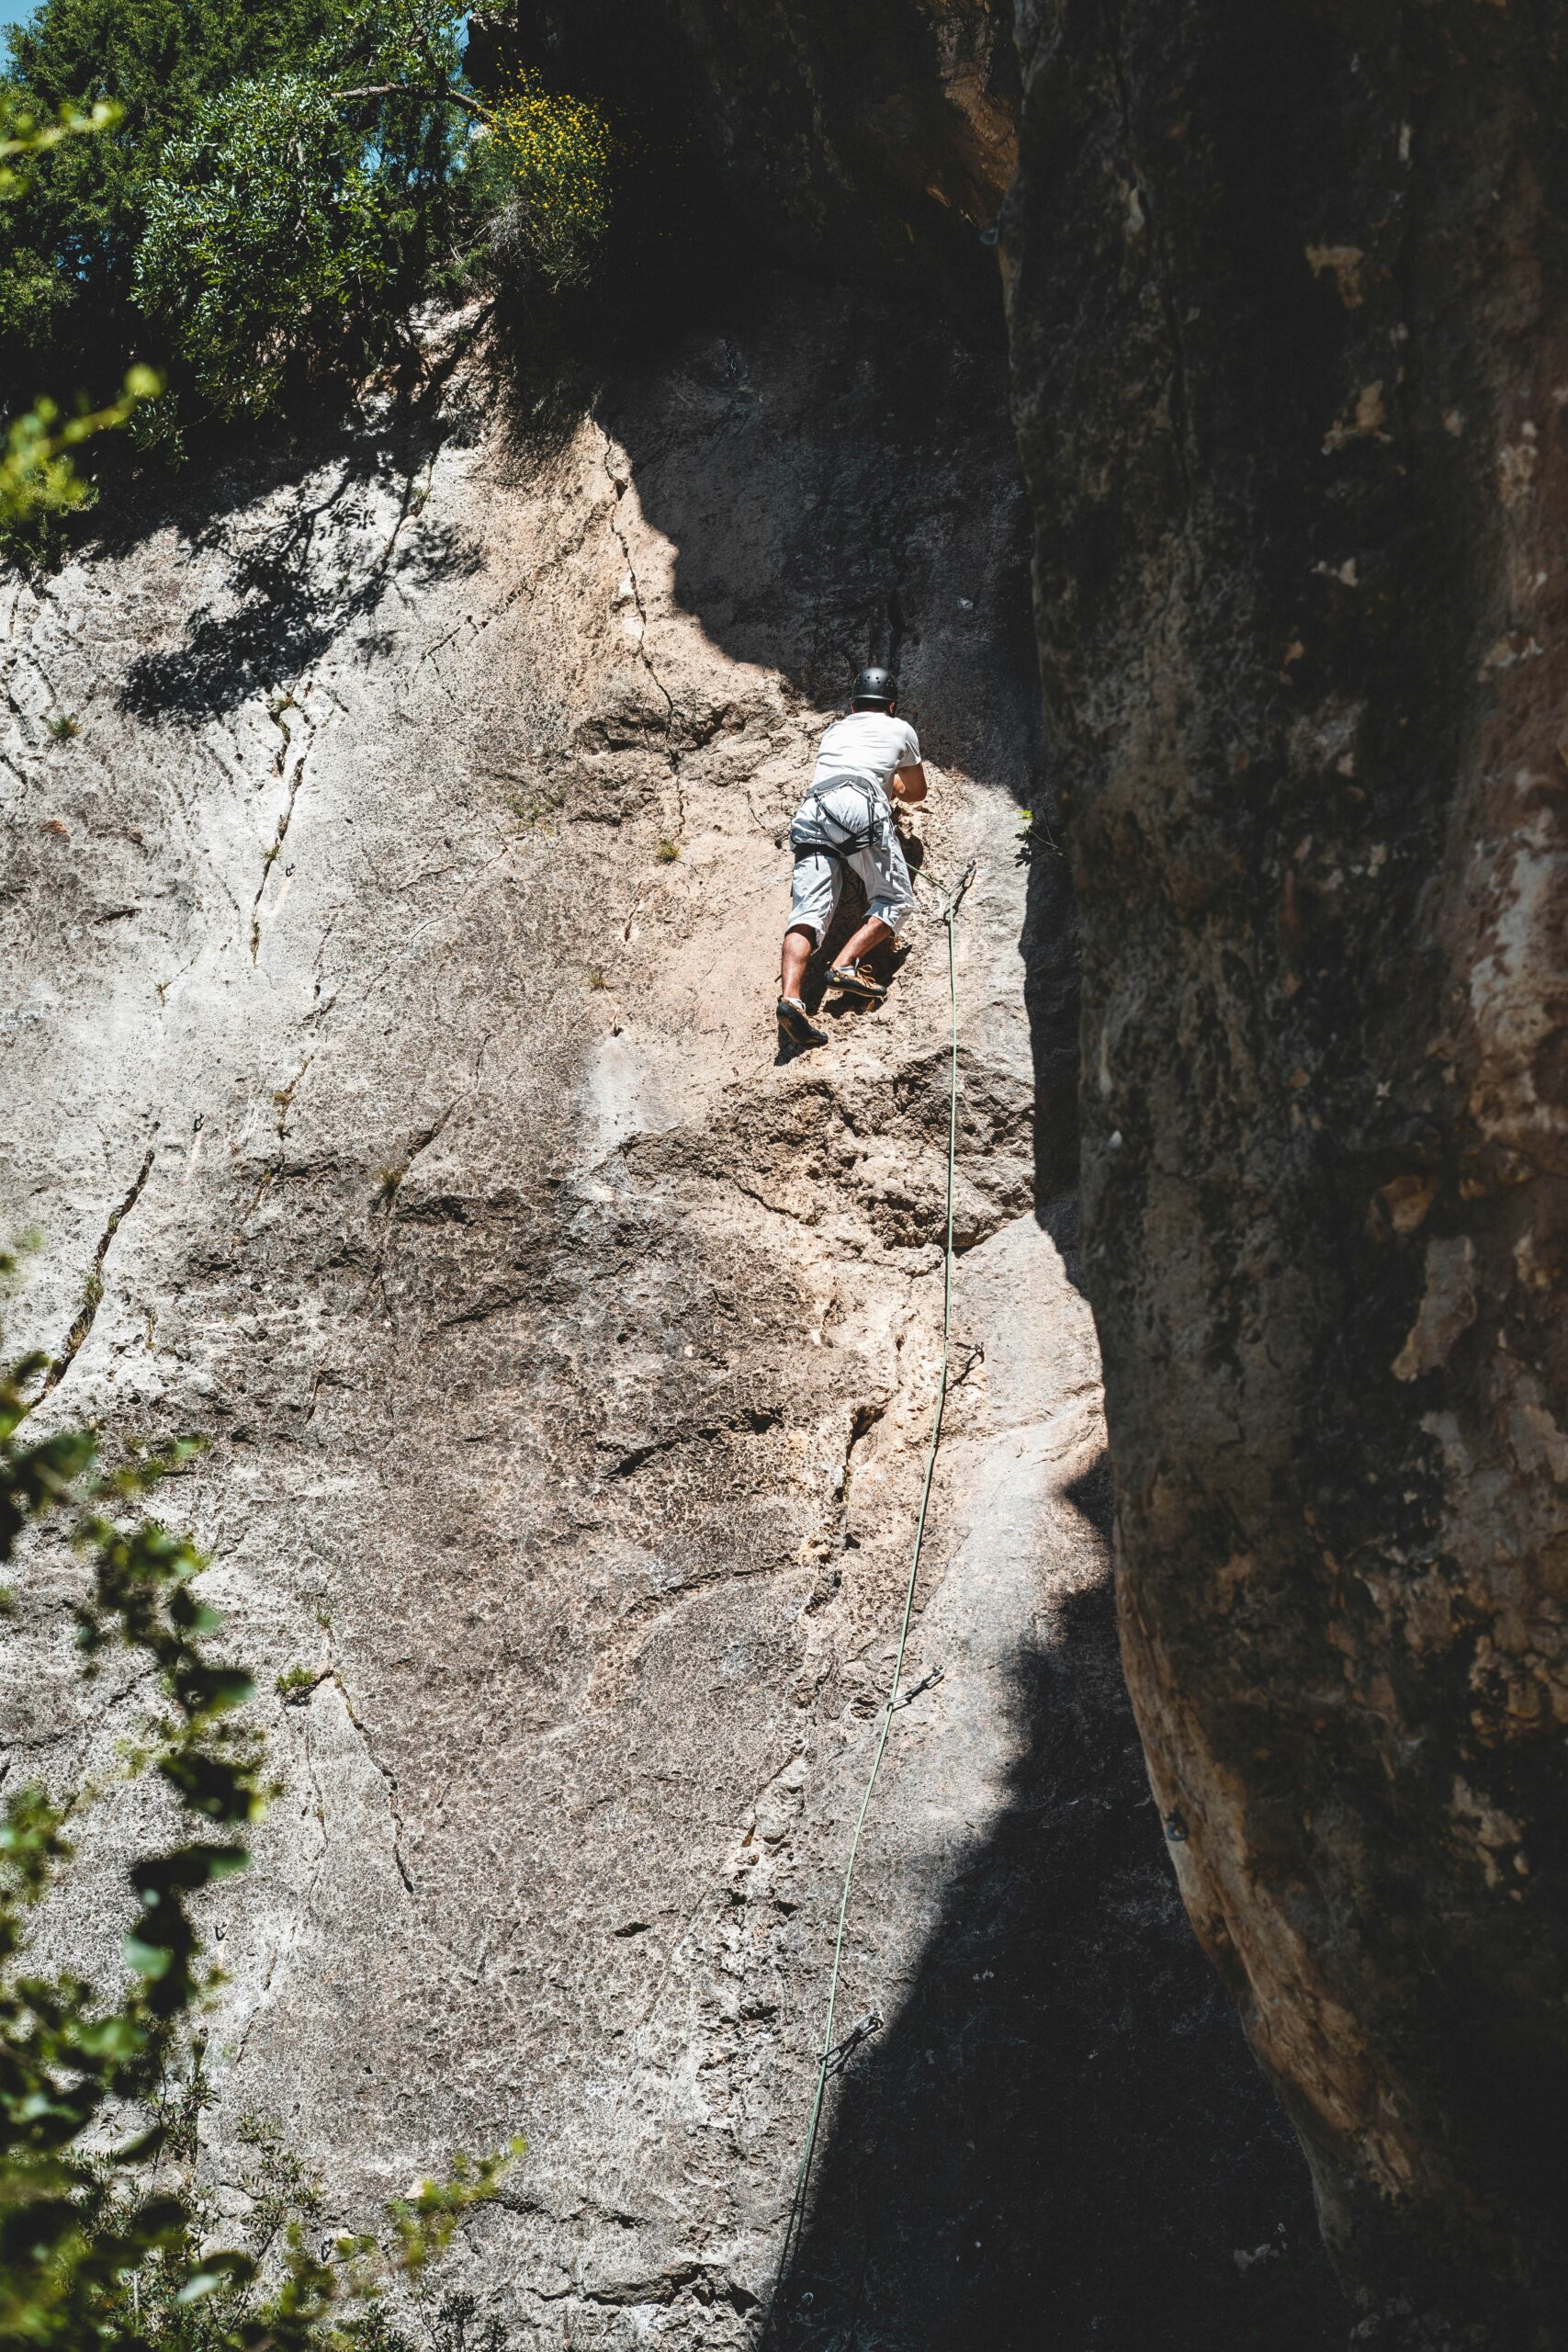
point(825, 2062)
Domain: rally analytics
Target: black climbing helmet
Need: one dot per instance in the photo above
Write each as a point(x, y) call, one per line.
point(874, 689)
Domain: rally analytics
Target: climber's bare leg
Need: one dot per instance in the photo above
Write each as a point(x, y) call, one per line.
point(872, 933)
point(799, 943)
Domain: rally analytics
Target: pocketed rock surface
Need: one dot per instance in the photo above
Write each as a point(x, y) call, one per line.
point(391, 1080)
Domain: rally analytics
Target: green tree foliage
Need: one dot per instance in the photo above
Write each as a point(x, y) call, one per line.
point(249, 270)
point(66, 304)
point(292, 226)
point(267, 194)
point(281, 187)
point(104, 2242)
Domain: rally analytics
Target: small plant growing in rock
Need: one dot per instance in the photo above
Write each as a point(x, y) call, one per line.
point(1035, 838)
point(533, 808)
point(597, 977)
point(668, 851)
point(295, 1684)
point(558, 156)
point(281, 2191)
point(63, 725)
point(377, 2333)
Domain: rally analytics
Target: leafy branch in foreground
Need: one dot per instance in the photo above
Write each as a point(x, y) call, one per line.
point(93, 2250)
point(38, 473)
point(26, 134)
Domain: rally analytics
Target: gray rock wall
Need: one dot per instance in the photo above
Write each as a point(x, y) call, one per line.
point(570, 1362)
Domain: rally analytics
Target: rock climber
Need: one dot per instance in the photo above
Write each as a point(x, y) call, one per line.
point(846, 819)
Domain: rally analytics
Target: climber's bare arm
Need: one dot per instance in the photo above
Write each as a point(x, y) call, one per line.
point(910, 784)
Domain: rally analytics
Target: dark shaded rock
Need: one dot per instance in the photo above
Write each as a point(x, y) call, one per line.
point(868, 138)
point(1287, 313)
point(1061, 2139)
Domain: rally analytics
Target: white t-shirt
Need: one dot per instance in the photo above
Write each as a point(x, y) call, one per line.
point(869, 743)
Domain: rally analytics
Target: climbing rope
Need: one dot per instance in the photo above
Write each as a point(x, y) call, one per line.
point(835, 2056)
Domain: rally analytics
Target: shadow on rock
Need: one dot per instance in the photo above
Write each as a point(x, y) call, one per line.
point(297, 589)
point(828, 511)
point(1048, 948)
point(1062, 2140)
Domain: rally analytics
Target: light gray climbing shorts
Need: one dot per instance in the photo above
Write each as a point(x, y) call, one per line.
point(862, 838)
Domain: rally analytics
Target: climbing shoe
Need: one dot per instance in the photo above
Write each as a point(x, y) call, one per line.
point(855, 982)
point(795, 1025)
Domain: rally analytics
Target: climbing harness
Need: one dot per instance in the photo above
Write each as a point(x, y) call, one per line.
point(863, 819)
point(836, 2056)
point(837, 818)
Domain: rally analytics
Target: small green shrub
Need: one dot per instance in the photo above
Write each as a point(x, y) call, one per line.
point(557, 155)
point(295, 1684)
point(668, 851)
point(534, 809)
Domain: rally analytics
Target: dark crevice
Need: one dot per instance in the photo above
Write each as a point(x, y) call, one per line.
point(93, 1290)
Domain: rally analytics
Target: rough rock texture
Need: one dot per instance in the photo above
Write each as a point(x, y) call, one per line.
point(1288, 331)
point(570, 1362)
point(879, 135)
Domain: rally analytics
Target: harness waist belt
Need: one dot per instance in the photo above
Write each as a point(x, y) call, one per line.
point(822, 830)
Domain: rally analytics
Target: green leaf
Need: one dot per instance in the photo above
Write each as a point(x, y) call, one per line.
point(219, 1688)
point(151, 1961)
point(217, 2270)
point(112, 2037)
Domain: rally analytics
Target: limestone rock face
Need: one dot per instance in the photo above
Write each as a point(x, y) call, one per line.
point(1287, 297)
point(390, 1074)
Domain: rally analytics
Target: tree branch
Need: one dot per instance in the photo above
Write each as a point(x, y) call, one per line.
point(401, 90)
